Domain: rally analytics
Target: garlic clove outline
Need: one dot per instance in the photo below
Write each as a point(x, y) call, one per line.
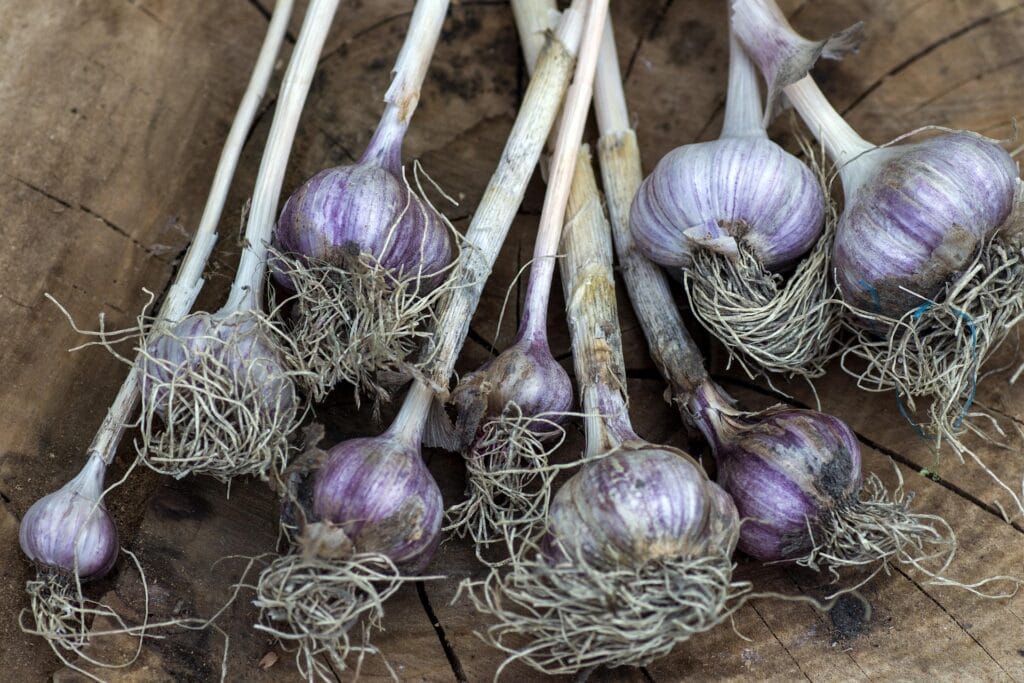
point(70, 531)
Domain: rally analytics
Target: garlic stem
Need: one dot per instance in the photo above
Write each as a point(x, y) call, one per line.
point(841, 141)
point(501, 200)
point(247, 289)
point(671, 346)
point(533, 20)
point(412, 416)
point(743, 111)
point(182, 293)
point(609, 96)
point(563, 164)
point(403, 94)
point(592, 313)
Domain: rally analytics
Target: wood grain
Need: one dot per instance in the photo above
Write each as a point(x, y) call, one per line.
point(113, 116)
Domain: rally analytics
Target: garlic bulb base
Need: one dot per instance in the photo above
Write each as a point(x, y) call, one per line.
point(573, 616)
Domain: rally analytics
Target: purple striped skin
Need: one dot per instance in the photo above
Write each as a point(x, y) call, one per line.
point(236, 342)
point(784, 468)
point(750, 187)
point(71, 518)
point(917, 217)
point(384, 498)
point(638, 504)
point(724, 520)
point(365, 208)
point(525, 373)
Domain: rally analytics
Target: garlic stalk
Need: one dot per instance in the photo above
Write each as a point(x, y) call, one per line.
point(218, 389)
point(69, 534)
point(510, 410)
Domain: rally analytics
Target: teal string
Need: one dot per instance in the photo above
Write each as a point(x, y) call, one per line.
point(872, 291)
point(920, 311)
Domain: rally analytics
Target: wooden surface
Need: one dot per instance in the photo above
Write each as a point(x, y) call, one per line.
point(112, 113)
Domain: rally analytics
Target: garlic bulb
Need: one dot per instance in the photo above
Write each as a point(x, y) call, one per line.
point(367, 208)
point(378, 491)
point(635, 505)
point(741, 188)
point(70, 530)
point(914, 213)
point(525, 374)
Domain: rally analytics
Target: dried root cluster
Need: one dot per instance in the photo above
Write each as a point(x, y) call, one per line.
point(355, 321)
point(932, 356)
point(768, 322)
point(573, 616)
point(509, 478)
point(217, 404)
point(313, 598)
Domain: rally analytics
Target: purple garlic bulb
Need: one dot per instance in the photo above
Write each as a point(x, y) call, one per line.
point(713, 195)
point(916, 214)
point(525, 374)
point(206, 348)
point(379, 492)
point(784, 468)
point(367, 208)
point(70, 529)
point(724, 520)
point(632, 506)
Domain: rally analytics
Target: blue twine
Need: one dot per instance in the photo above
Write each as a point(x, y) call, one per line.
point(920, 311)
point(974, 362)
point(872, 291)
point(913, 423)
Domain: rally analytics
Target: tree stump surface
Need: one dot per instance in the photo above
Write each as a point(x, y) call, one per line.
point(114, 113)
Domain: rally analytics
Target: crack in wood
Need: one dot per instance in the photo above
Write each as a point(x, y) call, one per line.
point(719, 106)
point(961, 83)
point(145, 10)
point(646, 35)
point(90, 212)
point(779, 641)
point(884, 450)
point(953, 619)
point(449, 651)
point(482, 341)
point(907, 63)
point(334, 140)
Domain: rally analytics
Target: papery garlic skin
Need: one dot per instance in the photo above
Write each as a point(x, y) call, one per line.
point(915, 215)
point(714, 194)
point(525, 374)
point(785, 468)
point(380, 493)
point(70, 529)
point(365, 208)
point(634, 505)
